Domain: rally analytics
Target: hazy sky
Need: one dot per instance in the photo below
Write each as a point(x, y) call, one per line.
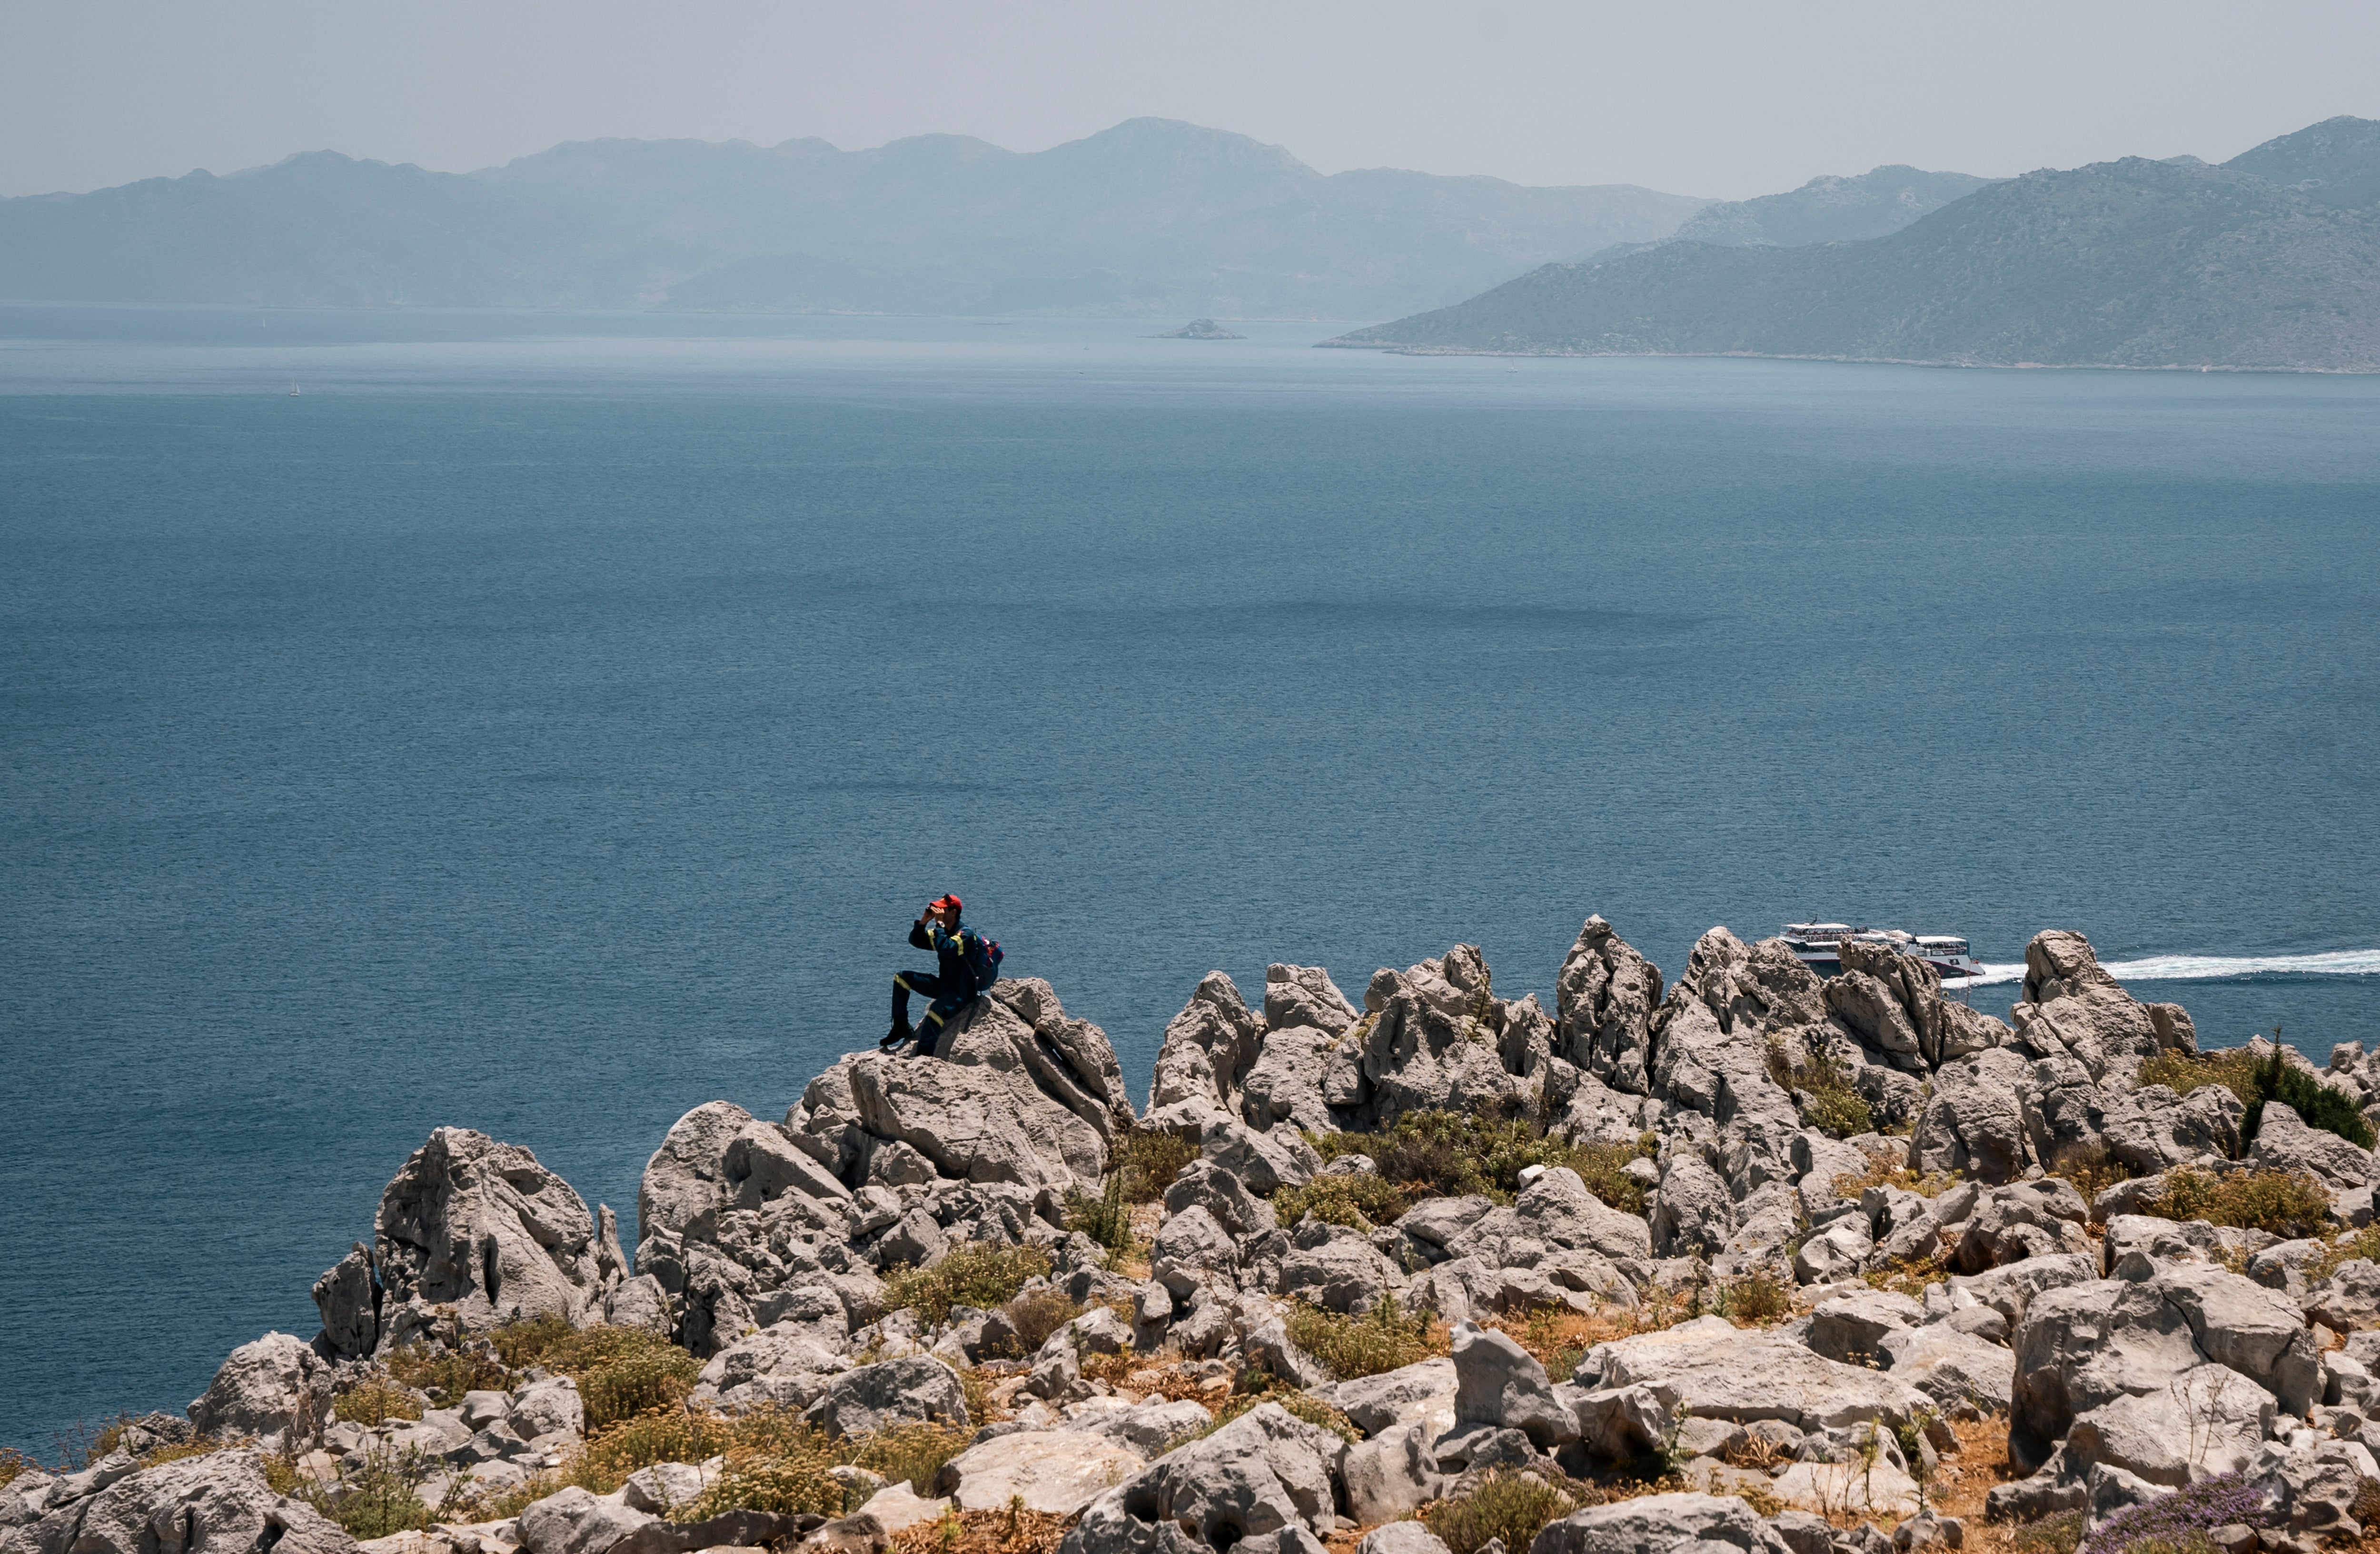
point(1722, 100)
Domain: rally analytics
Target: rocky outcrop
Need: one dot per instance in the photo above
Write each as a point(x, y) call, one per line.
point(471, 1233)
point(196, 1505)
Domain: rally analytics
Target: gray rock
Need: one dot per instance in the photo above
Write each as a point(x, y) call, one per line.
point(664, 1487)
point(1390, 1474)
point(1340, 1270)
point(915, 1241)
point(1958, 1370)
point(1204, 1185)
point(482, 1227)
point(348, 1297)
point(1192, 1249)
point(277, 1386)
point(1208, 1051)
point(2083, 1346)
point(2039, 1219)
point(2349, 1299)
point(1305, 995)
point(1150, 1429)
point(788, 1349)
point(1285, 1088)
point(2010, 1289)
point(216, 1501)
point(572, 1521)
point(1622, 1423)
point(1558, 1210)
point(1400, 1537)
point(2206, 1421)
point(1712, 1369)
point(1497, 1382)
point(1261, 1473)
point(1659, 1524)
point(1692, 1212)
point(978, 1122)
point(1054, 1472)
point(1268, 1347)
point(1412, 1394)
point(2312, 1489)
point(1973, 1122)
point(876, 1397)
point(1850, 1328)
point(1265, 1161)
point(2283, 1142)
point(1835, 1253)
point(1605, 998)
point(1439, 1221)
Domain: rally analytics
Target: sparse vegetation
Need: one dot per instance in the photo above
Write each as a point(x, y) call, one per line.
point(1757, 1297)
point(1381, 1340)
point(1106, 1219)
point(1012, 1531)
point(447, 1374)
point(1822, 1092)
point(374, 1401)
point(377, 1498)
point(1449, 1154)
point(2288, 1204)
point(2051, 1535)
point(1263, 1388)
point(1510, 1508)
point(1361, 1200)
point(13, 1463)
point(2364, 1244)
point(1037, 1314)
point(1148, 1160)
point(975, 1273)
point(2181, 1521)
point(2090, 1167)
point(1907, 1276)
point(1889, 1166)
point(2255, 1082)
point(912, 1453)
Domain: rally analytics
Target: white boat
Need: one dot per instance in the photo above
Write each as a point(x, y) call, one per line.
point(293, 391)
point(1816, 946)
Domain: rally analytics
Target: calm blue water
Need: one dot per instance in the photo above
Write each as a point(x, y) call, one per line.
point(549, 725)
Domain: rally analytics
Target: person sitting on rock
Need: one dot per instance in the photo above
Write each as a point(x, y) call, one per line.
point(965, 964)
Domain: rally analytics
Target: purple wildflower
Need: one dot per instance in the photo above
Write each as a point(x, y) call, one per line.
point(2171, 1519)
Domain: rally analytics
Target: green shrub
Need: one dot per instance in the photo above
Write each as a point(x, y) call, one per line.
point(1756, 1297)
point(1038, 1313)
point(1381, 1340)
point(975, 1273)
point(2288, 1204)
point(1512, 1509)
point(1822, 1092)
point(663, 1435)
point(912, 1453)
point(1106, 1219)
point(377, 1498)
point(2234, 1068)
point(2090, 1166)
point(1148, 1160)
point(1449, 1154)
point(448, 1374)
point(2318, 1103)
point(1362, 1201)
point(2051, 1535)
point(631, 1383)
point(373, 1402)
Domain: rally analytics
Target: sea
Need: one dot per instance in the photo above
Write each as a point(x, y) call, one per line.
point(545, 723)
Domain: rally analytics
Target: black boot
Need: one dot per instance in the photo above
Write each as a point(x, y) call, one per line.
point(899, 1034)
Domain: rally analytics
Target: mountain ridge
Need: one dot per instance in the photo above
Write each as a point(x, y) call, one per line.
point(2126, 263)
point(1150, 216)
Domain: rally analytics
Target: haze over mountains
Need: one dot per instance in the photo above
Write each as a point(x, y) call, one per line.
point(2271, 261)
point(1151, 217)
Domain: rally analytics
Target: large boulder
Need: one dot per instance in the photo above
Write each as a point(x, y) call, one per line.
point(277, 1387)
point(2084, 1347)
point(1205, 1058)
point(1430, 1041)
point(978, 1122)
point(1055, 1472)
point(1421, 1394)
point(481, 1227)
point(1263, 1474)
point(575, 1521)
point(2207, 1420)
point(1496, 1382)
point(1070, 1061)
point(1708, 1369)
point(1605, 998)
point(2071, 1006)
point(1680, 1524)
point(194, 1505)
point(1973, 1122)
point(1305, 995)
point(874, 1398)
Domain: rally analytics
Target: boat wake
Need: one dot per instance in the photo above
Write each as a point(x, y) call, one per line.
point(2213, 968)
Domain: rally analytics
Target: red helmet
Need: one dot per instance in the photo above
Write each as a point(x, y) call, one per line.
point(949, 901)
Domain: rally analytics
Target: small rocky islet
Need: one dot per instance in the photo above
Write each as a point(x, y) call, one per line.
point(1751, 1259)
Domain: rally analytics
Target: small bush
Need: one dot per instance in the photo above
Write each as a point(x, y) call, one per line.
point(662, 1434)
point(659, 1375)
point(1603, 1167)
point(2234, 1068)
point(373, 1402)
point(1381, 1340)
point(2363, 1244)
point(2090, 1166)
point(975, 1273)
point(2288, 1204)
point(2051, 1535)
point(1907, 1276)
point(2181, 1519)
point(1038, 1313)
point(1756, 1297)
point(1512, 1509)
point(1106, 1219)
point(2316, 1103)
point(1361, 1201)
point(1889, 1166)
point(13, 1463)
point(449, 1373)
point(1822, 1092)
point(796, 1478)
point(175, 1450)
point(1449, 1154)
point(1148, 1160)
point(534, 1340)
point(378, 1498)
point(914, 1454)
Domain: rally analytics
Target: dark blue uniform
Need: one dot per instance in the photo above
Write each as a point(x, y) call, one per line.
point(950, 986)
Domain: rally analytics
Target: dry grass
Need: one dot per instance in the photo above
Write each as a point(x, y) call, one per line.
point(2364, 1244)
point(1889, 1166)
point(1822, 1091)
point(1450, 1154)
point(1510, 1508)
point(2288, 1204)
point(1560, 1337)
point(975, 1273)
point(1148, 1160)
point(1958, 1486)
point(13, 1463)
point(374, 1401)
point(1907, 1276)
point(1383, 1338)
point(1014, 1531)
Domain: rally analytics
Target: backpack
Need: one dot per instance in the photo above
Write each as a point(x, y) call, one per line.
point(983, 958)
